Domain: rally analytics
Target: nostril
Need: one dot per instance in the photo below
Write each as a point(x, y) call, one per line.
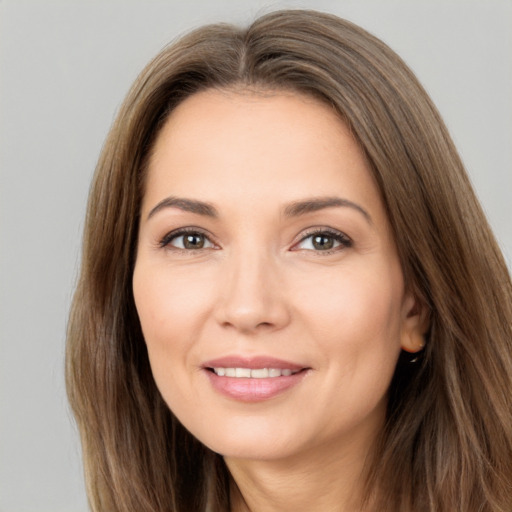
point(264, 324)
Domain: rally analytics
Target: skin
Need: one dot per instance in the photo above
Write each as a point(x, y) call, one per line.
point(259, 286)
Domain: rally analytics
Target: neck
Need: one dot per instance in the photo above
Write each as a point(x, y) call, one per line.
point(324, 479)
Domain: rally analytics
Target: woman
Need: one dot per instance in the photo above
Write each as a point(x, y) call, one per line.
point(290, 298)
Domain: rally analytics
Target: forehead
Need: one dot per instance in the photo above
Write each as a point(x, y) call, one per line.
point(271, 119)
point(215, 112)
point(275, 144)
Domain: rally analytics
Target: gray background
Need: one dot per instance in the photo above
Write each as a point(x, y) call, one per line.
point(64, 69)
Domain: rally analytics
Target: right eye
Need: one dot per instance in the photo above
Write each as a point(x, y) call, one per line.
point(187, 240)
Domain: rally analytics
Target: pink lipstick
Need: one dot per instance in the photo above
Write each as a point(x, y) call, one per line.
point(253, 379)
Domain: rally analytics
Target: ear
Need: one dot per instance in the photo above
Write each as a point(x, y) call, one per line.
point(415, 324)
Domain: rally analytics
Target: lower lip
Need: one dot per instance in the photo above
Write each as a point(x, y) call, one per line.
point(253, 390)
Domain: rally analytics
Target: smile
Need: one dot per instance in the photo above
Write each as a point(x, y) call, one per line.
point(253, 379)
point(253, 373)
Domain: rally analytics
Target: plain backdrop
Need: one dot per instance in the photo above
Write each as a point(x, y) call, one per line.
point(65, 67)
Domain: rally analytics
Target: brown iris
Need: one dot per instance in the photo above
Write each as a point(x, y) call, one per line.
point(193, 241)
point(323, 242)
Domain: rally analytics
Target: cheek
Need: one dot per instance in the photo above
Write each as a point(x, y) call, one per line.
point(170, 308)
point(354, 319)
point(156, 306)
point(170, 305)
point(362, 304)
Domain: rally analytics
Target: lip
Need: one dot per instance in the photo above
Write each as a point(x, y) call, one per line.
point(250, 389)
point(255, 362)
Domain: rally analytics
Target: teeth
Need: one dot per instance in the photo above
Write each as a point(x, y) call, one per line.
point(259, 373)
point(242, 372)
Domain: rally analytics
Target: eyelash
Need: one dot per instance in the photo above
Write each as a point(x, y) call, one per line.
point(343, 240)
point(169, 237)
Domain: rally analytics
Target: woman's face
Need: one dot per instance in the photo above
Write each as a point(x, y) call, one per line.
point(267, 282)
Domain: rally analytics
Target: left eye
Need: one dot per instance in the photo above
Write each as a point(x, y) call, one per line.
point(188, 241)
point(324, 241)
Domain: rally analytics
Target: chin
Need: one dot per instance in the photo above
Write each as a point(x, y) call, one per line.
point(254, 450)
point(252, 440)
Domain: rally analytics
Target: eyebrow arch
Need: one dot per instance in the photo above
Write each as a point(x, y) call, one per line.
point(314, 204)
point(187, 205)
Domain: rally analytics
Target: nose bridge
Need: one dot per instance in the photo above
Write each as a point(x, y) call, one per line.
point(252, 297)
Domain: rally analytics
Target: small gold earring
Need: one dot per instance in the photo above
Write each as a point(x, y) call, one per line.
point(419, 352)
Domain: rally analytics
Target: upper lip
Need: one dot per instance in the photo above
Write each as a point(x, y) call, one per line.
point(254, 362)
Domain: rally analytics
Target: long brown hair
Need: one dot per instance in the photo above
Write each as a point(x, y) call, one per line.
point(447, 444)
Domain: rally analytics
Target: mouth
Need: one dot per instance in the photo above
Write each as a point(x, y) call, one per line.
point(253, 379)
point(253, 373)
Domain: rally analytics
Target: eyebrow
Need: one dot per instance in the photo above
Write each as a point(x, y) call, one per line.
point(295, 209)
point(315, 204)
point(187, 205)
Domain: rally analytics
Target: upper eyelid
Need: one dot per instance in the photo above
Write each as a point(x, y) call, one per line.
point(344, 240)
point(306, 233)
point(175, 233)
point(321, 230)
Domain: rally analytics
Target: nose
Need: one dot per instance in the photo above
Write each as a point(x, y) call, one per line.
point(252, 298)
